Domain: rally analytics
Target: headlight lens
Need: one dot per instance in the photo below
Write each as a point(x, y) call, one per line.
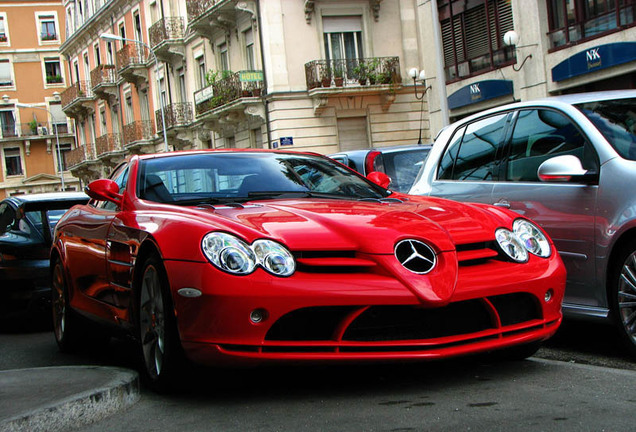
point(511, 245)
point(274, 257)
point(231, 254)
point(532, 238)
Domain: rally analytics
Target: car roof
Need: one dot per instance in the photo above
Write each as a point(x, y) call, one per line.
point(218, 151)
point(389, 149)
point(48, 197)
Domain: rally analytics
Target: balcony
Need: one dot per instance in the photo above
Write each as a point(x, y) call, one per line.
point(82, 163)
point(178, 117)
point(104, 81)
point(166, 39)
point(352, 77)
point(131, 62)
point(207, 16)
point(231, 99)
point(139, 136)
point(109, 149)
point(78, 99)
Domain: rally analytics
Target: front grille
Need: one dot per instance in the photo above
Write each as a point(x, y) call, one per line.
point(404, 323)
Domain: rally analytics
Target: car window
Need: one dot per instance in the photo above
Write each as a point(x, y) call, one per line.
point(403, 167)
point(616, 120)
point(539, 135)
point(7, 217)
point(473, 155)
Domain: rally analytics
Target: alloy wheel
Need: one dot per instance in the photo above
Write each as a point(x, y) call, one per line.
point(152, 322)
point(627, 296)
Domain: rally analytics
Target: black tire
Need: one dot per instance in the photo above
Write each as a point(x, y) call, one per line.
point(161, 353)
point(622, 295)
point(68, 332)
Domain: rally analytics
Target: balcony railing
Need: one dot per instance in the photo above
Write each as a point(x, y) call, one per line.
point(196, 8)
point(243, 84)
point(132, 54)
point(78, 155)
point(79, 90)
point(352, 72)
point(104, 74)
point(166, 29)
point(176, 115)
point(141, 130)
point(33, 130)
point(108, 143)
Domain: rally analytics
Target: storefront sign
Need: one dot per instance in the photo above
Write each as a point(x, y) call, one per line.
point(479, 92)
point(593, 59)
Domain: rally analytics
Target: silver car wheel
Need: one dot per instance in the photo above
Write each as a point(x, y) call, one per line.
point(627, 296)
point(152, 322)
point(59, 302)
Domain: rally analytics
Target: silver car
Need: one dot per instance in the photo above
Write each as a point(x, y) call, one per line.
point(568, 163)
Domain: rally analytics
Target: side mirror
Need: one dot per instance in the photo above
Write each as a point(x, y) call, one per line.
point(380, 179)
point(104, 190)
point(564, 169)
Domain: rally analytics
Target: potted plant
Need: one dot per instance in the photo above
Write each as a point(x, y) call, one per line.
point(33, 124)
point(362, 72)
point(211, 76)
point(325, 76)
point(338, 76)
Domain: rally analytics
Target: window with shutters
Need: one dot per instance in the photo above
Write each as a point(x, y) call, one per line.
point(574, 20)
point(472, 34)
point(6, 74)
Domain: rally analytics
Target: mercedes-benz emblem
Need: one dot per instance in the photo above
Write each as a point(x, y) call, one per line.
point(415, 256)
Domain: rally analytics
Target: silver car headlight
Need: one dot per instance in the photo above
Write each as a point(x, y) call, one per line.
point(233, 255)
point(532, 238)
point(511, 245)
point(229, 253)
point(274, 257)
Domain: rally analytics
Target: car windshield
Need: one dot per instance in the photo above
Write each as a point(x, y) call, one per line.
point(243, 176)
point(616, 120)
point(403, 167)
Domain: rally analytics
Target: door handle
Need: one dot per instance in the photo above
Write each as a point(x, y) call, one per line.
point(502, 203)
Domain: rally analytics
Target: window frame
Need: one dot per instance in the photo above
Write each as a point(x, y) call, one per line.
point(20, 157)
point(40, 17)
point(11, 85)
point(49, 60)
point(6, 41)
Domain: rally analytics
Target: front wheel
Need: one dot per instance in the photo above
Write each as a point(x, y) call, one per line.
point(156, 325)
point(623, 295)
point(68, 332)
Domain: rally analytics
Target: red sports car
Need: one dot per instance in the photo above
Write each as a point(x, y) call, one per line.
point(228, 257)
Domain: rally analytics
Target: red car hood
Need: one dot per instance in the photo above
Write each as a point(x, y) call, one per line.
point(368, 227)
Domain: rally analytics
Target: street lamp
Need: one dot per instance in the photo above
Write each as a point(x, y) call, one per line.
point(110, 36)
point(420, 76)
point(57, 139)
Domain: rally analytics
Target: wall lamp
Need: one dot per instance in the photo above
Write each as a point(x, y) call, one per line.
point(511, 38)
point(419, 76)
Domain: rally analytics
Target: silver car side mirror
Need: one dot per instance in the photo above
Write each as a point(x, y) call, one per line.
point(562, 169)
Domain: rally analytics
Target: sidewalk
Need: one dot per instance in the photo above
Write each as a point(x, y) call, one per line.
point(58, 398)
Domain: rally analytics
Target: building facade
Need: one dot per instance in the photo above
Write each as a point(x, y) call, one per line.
point(319, 76)
point(35, 133)
point(558, 46)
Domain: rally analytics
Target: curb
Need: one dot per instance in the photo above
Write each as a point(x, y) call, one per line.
point(58, 398)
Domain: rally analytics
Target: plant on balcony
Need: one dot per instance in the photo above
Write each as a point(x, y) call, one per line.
point(211, 77)
point(48, 36)
point(325, 76)
point(3, 37)
point(361, 71)
point(338, 74)
point(226, 74)
point(33, 125)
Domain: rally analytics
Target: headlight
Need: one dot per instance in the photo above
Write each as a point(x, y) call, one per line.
point(231, 254)
point(511, 245)
point(532, 238)
point(274, 257)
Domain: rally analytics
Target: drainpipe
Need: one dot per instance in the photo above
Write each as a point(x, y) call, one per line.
point(264, 96)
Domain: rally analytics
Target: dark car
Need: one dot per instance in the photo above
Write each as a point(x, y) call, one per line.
point(400, 163)
point(26, 230)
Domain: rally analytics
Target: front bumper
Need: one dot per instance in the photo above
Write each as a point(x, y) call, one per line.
point(362, 316)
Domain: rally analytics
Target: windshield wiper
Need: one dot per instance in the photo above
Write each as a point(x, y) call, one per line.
point(294, 194)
